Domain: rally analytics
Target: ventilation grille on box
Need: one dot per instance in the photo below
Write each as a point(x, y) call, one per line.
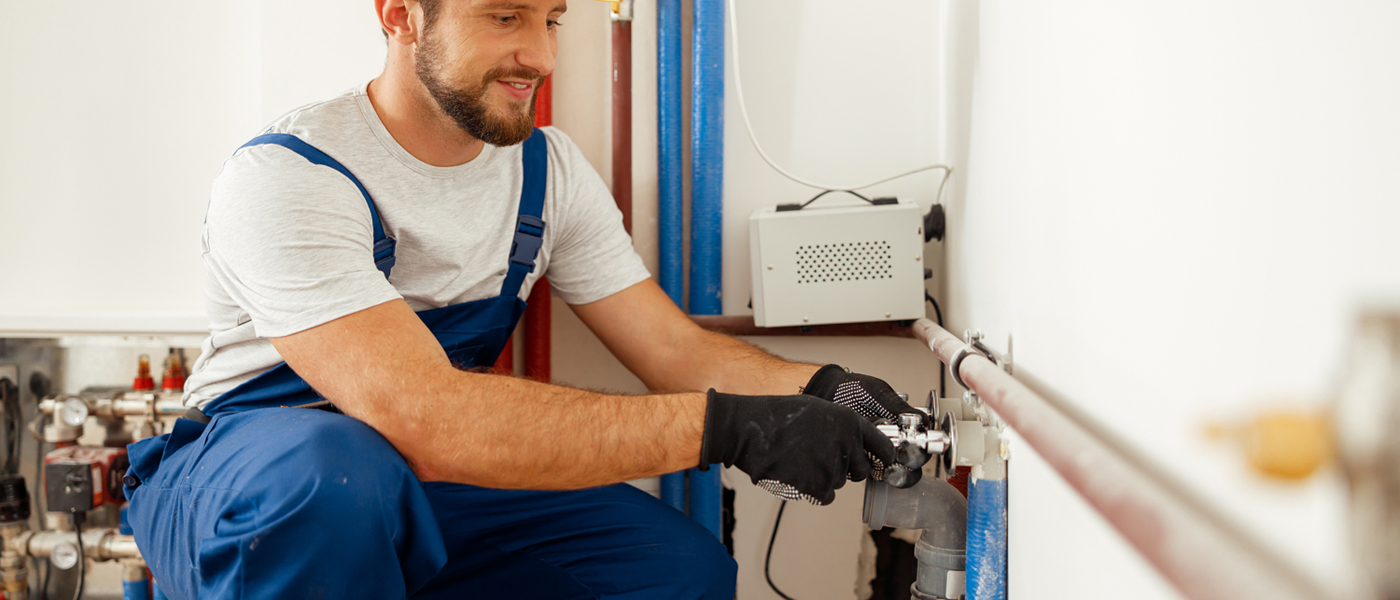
point(853, 261)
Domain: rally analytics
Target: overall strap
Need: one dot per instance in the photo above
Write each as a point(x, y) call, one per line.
point(529, 227)
point(383, 244)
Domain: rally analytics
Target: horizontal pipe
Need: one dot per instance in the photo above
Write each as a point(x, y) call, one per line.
point(118, 407)
point(1198, 551)
point(745, 326)
point(98, 544)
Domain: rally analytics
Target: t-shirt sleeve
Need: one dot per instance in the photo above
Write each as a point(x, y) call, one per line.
point(291, 242)
point(593, 257)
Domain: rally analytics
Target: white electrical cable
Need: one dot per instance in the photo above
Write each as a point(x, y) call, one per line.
point(743, 110)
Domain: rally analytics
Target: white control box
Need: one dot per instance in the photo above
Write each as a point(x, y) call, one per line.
point(837, 264)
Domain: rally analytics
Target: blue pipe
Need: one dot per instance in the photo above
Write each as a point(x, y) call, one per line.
point(668, 94)
point(986, 540)
point(670, 226)
point(156, 594)
point(707, 158)
point(707, 208)
point(135, 590)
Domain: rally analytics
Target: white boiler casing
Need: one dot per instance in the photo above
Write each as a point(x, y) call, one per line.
point(837, 264)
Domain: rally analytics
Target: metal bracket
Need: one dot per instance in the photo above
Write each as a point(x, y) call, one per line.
point(973, 339)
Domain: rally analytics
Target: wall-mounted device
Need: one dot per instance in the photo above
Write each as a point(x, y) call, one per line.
point(837, 264)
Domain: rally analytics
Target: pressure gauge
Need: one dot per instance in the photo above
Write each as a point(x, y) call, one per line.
point(64, 556)
point(73, 412)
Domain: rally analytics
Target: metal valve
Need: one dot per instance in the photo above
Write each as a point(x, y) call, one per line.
point(916, 443)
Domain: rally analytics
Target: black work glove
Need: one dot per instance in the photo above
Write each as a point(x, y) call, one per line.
point(796, 447)
point(870, 397)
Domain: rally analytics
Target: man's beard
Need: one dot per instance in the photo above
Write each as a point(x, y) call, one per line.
point(468, 107)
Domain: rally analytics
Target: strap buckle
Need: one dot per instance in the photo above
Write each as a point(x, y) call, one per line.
point(384, 258)
point(529, 238)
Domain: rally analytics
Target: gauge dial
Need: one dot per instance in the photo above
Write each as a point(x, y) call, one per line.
point(64, 556)
point(73, 412)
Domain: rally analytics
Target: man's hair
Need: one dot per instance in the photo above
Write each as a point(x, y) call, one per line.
point(430, 15)
point(430, 12)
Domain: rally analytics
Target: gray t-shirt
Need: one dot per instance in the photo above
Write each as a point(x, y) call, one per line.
point(287, 244)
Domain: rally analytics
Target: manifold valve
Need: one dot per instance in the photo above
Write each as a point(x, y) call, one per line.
point(916, 443)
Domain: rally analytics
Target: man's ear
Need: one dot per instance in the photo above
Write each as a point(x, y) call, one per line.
point(400, 20)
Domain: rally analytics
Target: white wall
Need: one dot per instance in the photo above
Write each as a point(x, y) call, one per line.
point(1175, 209)
point(116, 120)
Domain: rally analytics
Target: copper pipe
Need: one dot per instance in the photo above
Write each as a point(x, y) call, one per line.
point(1200, 552)
point(744, 326)
point(622, 119)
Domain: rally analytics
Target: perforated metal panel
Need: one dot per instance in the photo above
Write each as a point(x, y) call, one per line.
point(837, 264)
point(854, 261)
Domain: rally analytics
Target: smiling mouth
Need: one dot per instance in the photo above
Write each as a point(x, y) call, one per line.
point(518, 86)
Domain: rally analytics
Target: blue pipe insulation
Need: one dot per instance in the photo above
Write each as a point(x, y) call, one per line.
point(668, 94)
point(136, 590)
point(707, 208)
point(707, 158)
point(670, 226)
point(986, 540)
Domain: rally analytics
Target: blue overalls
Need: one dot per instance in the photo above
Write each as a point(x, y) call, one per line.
point(271, 499)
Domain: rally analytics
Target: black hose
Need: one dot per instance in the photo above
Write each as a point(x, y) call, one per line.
point(82, 560)
point(767, 558)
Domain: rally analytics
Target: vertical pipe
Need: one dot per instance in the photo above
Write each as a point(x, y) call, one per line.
point(986, 539)
point(707, 158)
point(136, 589)
point(670, 170)
point(505, 363)
point(622, 117)
point(156, 594)
point(538, 344)
point(706, 202)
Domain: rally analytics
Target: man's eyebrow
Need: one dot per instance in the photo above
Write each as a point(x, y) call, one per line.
point(516, 5)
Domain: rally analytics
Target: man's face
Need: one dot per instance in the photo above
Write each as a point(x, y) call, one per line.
point(483, 62)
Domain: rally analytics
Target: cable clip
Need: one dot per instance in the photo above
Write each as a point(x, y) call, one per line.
point(973, 339)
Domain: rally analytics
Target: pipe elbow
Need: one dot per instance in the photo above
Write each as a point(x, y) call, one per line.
point(932, 505)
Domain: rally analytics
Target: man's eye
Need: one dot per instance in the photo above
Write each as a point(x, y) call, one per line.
point(553, 24)
point(505, 20)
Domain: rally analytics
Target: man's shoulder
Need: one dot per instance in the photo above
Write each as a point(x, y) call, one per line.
point(320, 118)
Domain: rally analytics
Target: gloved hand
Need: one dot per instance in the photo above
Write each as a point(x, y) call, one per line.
point(796, 447)
point(870, 397)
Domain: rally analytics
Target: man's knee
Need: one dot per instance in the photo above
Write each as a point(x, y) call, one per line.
point(706, 570)
point(341, 467)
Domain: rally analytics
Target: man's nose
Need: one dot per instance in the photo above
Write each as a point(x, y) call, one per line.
point(537, 51)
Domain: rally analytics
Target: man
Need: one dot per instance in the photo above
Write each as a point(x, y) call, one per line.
point(364, 254)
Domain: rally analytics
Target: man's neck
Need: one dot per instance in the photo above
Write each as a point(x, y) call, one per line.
point(416, 122)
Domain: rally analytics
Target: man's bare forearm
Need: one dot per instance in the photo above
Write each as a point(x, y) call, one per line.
point(733, 366)
point(504, 432)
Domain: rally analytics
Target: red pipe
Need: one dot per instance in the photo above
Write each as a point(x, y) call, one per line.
point(537, 307)
point(622, 119)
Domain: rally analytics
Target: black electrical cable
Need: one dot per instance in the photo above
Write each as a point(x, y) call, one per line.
point(814, 198)
point(9, 396)
point(942, 373)
point(40, 509)
point(767, 558)
point(82, 560)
